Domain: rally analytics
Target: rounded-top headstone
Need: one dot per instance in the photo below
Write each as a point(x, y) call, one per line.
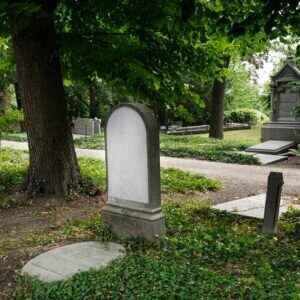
point(133, 171)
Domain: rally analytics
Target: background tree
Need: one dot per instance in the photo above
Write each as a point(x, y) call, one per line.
point(144, 52)
point(7, 73)
point(150, 49)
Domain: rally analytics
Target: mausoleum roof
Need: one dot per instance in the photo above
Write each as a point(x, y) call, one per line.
point(288, 72)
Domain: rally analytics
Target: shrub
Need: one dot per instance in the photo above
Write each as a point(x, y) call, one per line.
point(181, 113)
point(248, 116)
point(12, 169)
point(177, 181)
point(9, 119)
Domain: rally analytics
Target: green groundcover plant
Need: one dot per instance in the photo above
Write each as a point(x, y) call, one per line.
point(205, 254)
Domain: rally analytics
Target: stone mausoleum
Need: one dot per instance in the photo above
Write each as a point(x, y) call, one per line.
point(285, 123)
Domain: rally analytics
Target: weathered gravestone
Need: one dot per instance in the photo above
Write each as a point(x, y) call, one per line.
point(285, 99)
point(86, 126)
point(63, 262)
point(272, 206)
point(133, 173)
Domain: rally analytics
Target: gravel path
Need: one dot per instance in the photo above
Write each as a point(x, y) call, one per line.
point(238, 180)
point(242, 180)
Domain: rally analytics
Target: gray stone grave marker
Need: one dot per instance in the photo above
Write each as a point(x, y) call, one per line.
point(63, 262)
point(275, 183)
point(133, 173)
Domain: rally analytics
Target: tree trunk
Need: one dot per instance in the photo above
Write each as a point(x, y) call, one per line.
point(217, 106)
point(53, 167)
point(94, 103)
point(217, 110)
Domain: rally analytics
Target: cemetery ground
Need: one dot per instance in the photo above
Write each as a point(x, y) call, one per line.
point(191, 146)
point(197, 146)
point(205, 254)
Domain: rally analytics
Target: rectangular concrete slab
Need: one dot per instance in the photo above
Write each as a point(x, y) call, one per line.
point(272, 147)
point(253, 206)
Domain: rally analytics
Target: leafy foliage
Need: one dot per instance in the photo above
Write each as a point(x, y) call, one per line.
point(248, 116)
point(178, 181)
point(9, 118)
point(7, 67)
point(13, 166)
point(91, 142)
point(14, 136)
point(242, 92)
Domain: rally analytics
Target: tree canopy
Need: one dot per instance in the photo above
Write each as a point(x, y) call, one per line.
point(157, 51)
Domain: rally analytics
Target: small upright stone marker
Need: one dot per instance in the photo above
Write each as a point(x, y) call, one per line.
point(275, 183)
point(133, 173)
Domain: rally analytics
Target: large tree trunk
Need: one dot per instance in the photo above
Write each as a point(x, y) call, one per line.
point(217, 110)
point(53, 168)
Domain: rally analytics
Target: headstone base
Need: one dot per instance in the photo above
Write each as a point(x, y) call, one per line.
point(126, 222)
point(285, 131)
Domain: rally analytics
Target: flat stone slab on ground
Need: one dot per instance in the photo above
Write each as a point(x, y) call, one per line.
point(267, 159)
point(252, 206)
point(64, 262)
point(272, 147)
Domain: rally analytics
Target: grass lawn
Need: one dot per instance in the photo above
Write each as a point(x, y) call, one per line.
point(198, 146)
point(18, 137)
point(13, 166)
point(205, 254)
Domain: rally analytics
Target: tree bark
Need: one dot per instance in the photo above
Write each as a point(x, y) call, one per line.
point(217, 110)
point(217, 106)
point(53, 167)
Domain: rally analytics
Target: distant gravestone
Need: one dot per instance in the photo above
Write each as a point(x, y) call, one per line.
point(133, 173)
point(86, 126)
point(83, 126)
point(272, 206)
point(97, 126)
